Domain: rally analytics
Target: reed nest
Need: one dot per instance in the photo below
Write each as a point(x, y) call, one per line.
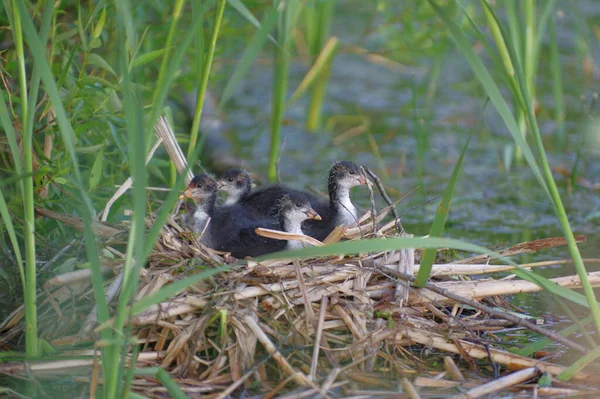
point(331, 326)
point(348, 326)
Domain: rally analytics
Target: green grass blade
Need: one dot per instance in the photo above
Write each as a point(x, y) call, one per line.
point(166, 59)
point(288, 12)
point(492, 91)
point(552, 189)
point(10, 230)
point(318, 69)
point(557, 86)
point(136, 136)
point(514, 24)
point(533, 347)
point(174, 63)
point(66, 131)
point(30, 286)
point(146, 58)
point(439, 221)
point(576, 367)
point(250, 54)
point(165, 379)
point(204, 80)
point(34, 82)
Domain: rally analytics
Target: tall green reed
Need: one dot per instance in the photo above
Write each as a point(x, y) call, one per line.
point(139, 131)
point(288, 14)
point(519, 87)
point(317, 26)
point(525, 29)
point(204, 66)
point(24, 168)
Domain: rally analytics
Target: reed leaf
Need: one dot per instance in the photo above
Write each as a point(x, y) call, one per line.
point(250, 54)
point(388, 244)
point(492, 91)
point(288, 12)
point(439, 221)
point(543, 174)
point(550, 187)
point(582, 362)
point(203, 84)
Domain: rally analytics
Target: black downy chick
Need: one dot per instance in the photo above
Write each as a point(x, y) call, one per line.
point(233, 227)
point(337, 210)
point(202, 189)
point(236, 183)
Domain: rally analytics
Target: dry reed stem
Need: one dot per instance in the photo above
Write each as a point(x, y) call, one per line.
point(453, 370)
point(165, 132)
point(499, 384)
point(478, 351)
point(101, 229)
point(482, 289)
point(127, 184)
point(319, 334)
point(409, 388)
point(503, 315)
point(525, 248)
point(386, 198)
point(281, 235)
point(298, 376)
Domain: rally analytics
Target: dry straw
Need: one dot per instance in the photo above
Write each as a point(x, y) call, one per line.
point(330, 325)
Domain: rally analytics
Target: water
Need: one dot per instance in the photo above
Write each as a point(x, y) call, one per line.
point(420, 138)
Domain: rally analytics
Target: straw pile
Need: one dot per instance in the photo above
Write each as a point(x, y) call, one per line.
point(336, 326)
point(329, 326)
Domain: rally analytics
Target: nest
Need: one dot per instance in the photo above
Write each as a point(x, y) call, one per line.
point(335, 326)
point(332, 326)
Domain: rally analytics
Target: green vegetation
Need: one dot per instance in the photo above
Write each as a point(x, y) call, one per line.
point(85, 82)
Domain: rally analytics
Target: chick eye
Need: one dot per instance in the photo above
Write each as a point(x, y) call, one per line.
point(298, 204)
point(352, 172)
point(230, 179)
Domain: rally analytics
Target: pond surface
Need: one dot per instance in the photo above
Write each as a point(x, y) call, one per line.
point(419, 137)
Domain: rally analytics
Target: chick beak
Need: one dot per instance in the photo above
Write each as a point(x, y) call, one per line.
point(312, 214)
point(186, 194)
point(220, 184)
point(362, 179)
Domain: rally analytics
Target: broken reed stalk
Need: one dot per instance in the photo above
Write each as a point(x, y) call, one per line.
point(282, 235)
point(524, 248)
point(127, 184)
point(499, 384)
point(318, 335)
point(501, 315)
point(165, 132)
point(387, 199)
point(372, 199)
point(287, 368)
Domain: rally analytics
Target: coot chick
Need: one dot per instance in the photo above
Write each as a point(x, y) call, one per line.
point(234, 227)
point(338, 210)
point(203, 191)
point(237, 183)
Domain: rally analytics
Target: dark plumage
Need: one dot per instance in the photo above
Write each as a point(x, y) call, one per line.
point(232, 228)
point(337, 210)
point(237, 183)
point(203, 191)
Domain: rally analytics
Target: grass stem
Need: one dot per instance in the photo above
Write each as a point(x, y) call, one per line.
point(206, 67)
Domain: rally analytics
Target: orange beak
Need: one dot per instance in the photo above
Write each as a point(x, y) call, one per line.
point(313, 215)
point(186, 194)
